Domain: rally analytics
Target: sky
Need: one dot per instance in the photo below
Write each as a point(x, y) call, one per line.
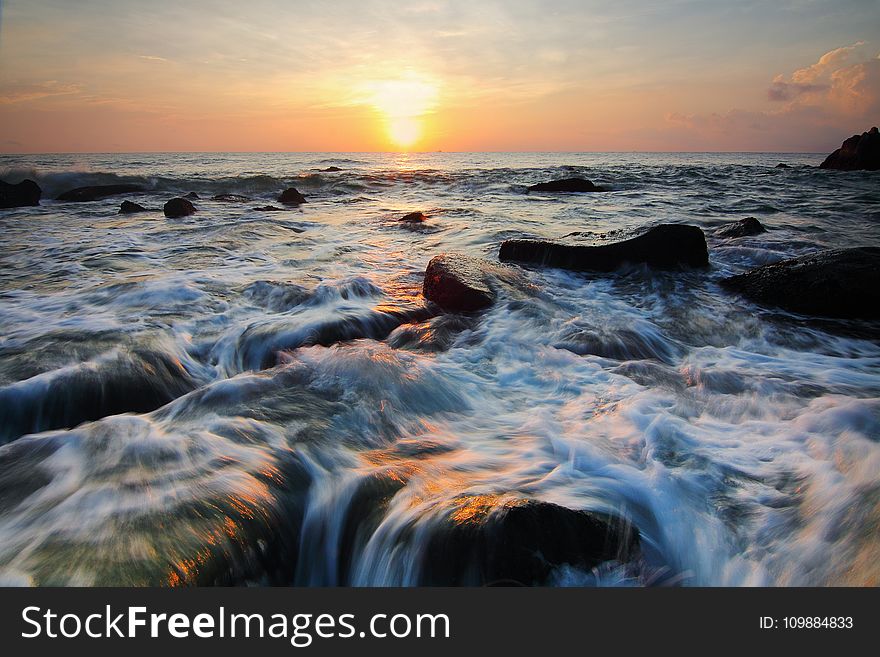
point(425, 75)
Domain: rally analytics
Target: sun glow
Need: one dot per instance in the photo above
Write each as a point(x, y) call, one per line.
point(404, 104)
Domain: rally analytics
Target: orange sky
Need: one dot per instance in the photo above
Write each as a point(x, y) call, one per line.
point(375, 75)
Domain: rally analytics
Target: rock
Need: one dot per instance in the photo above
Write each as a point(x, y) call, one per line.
point(291, 196)
point(128, 207)
point(25, 193)
point(567, 185)
point(414, 218)
point(484, 540)
point(97, 192)
point(667, 246)
point(230, 198)
point(192, 196)
point(268, 208)
point(178, 207)
point(457, 282)
point(840, 283)
point(331, 169)
point(742, 228)
point(857, 152)
point(782, 165)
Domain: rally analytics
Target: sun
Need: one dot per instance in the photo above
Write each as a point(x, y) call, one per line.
point(403, 104)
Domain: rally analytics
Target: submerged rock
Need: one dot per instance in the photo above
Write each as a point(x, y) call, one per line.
point(567, 185)
point(742, 228)
point(414, 217)
point(23, 194)
point(268, 208)
point(458, 282)
point(230, 198)
point(858, 152)
point(666, 246)
point(487, 541)
point(841, 283)
point(192, 196)
point(178, 207)
point(782, 165)
point(331, 169)
point(128, 207)
point(97, 192)
point(291, 196)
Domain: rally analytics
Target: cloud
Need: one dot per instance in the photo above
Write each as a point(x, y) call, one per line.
point(783, 91)
point(22, 93)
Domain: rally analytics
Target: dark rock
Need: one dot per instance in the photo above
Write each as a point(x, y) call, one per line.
point(742, 228)
point(567, 185)
point(841, 283)
point(268, 208)
point(458, 282)
point(97, 192)
point(291, 196)
point(25, 193)
point(486, 541)
point(666, 246)
point(414, 218)
point(178, 207)
point(331, 169)
point(782, 165)
point(230, 198)
point(128, 207)
point(858, 152)
point(192, 196)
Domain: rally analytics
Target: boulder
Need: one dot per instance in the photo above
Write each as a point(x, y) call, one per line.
point(97, 192)
point(858, 152)
point(457, 282)
point(230, 198)
point(742, 228)
point(25, 193)
point(840, 283)
point(291, 196)
point(482, 541)
point(128, 207)
point(414, 218)
point(667, 246)
point(567, 185)
point(178, 207)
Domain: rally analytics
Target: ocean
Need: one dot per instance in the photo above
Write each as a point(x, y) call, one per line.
point(252, 397)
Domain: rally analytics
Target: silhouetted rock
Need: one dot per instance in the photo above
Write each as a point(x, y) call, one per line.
point(192, 196)
point(25, 193)
point(230, 198)
point(782, 165)
point(841, 283)
point(97, 192)
point(667, 246)
point(291, 196)
point(486, 541)
point(458, 282)
point(268, 208)
point(741, 228)
point(414, 218)
point(331, 169)
point(128, 207)
point(567, 185)
point(858, 152)
point(178, 207)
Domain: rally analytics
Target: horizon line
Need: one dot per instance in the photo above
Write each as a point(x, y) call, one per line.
point(433, 152)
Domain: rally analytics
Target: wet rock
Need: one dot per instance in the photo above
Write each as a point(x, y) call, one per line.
point(782, 165)
point(268, 208)
point(414, 217)
point(742, 228)
point(192, 196)
point(331, 169)
point(457, 282)
point(178, 207)
point(291, 196)
point(230, 198)
point(23, 194)
point(667, 246)
point(97, 192)
point(567, 185)
point(840, 283)
point(436, 334)
point(486, 541)
point(858, 152)
point(128, 207)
